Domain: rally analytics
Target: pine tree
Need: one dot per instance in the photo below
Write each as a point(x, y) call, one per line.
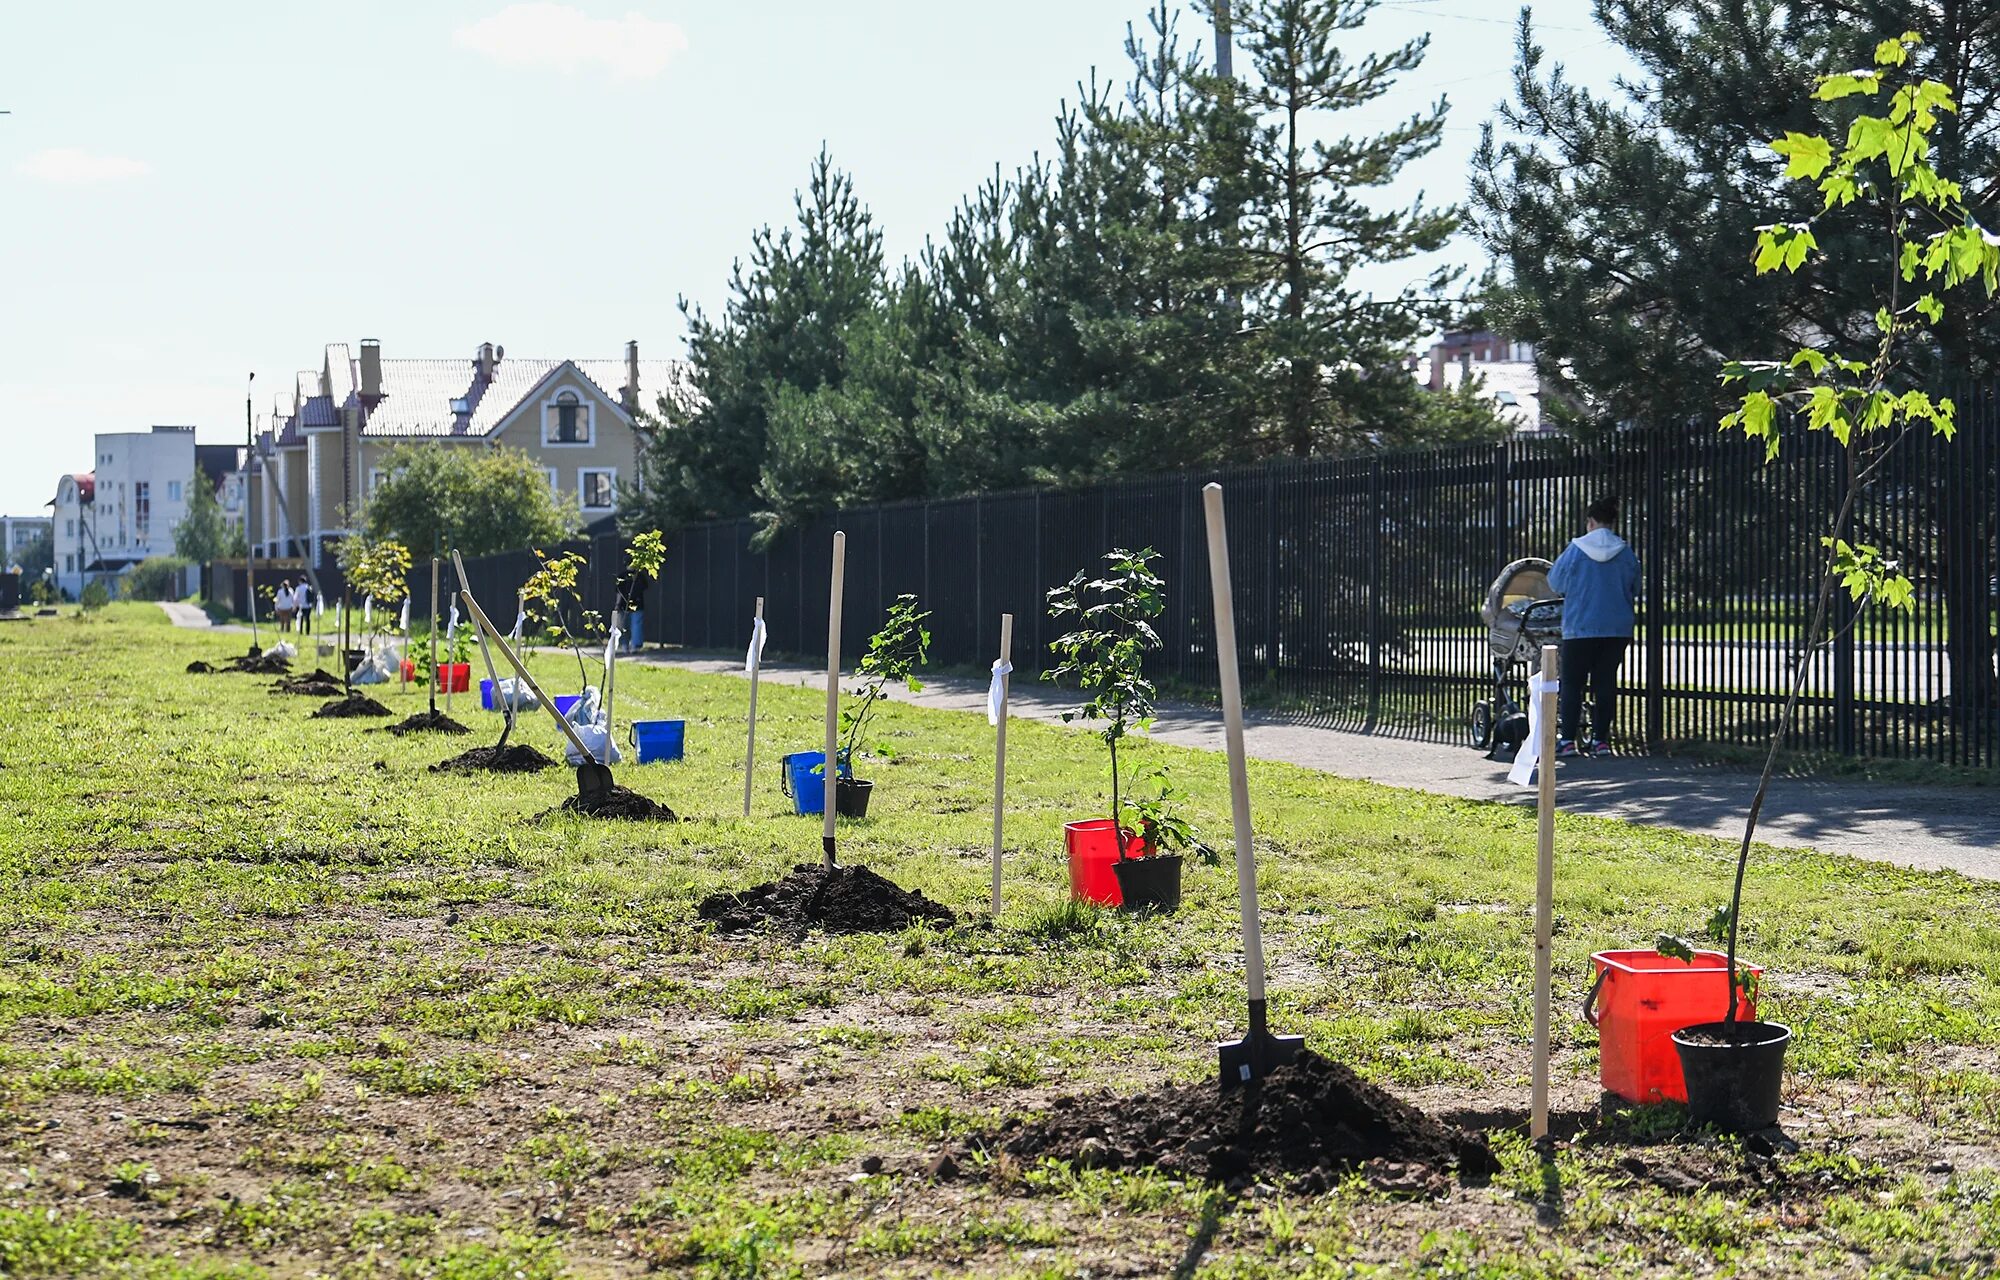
point(1334, 350)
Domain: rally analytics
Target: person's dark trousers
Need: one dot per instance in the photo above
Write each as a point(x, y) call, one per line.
point(1590, 663)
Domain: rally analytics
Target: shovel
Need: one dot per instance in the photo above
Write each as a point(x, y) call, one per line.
point(592, 777)
point(1252, 1057)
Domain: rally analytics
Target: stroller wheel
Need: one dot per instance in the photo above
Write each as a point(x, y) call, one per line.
point(1482, 725)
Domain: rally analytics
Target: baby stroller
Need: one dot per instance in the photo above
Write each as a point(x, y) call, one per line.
point(1522, 614)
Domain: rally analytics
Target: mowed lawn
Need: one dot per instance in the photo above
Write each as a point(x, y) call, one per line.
point(280, 1001)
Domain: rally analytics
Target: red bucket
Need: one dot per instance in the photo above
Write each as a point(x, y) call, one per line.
point(1093, 849)
point(456, 677)
point(1639, 1000)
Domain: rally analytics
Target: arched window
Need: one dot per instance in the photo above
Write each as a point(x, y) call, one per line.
point(566, 420)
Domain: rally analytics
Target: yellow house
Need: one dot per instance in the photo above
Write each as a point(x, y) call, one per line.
point(330, 436)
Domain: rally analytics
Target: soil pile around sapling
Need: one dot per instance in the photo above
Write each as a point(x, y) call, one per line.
point(843, 900)
point(267, 664)
point(320, 683)
point(426, 722)
point(354, 704)
point(516, 757)
point(618, 802)
point(1304, 1126)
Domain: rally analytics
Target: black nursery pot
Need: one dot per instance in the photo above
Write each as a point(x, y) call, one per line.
point(1734, 1073)
point(850, 797)
point(1150, 884)
point(353, 657)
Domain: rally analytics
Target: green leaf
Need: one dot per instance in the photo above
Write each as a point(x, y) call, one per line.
point(1930, 308)
point(1845, 83)
point(1891, 53)
point(1807, 154)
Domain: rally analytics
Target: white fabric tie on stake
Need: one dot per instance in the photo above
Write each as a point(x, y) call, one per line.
point(451, 627)
point(368, 613)
point(520, 621)
point(1001, 670)
point(403, 620)
point(756, 649)
point(1523, 772)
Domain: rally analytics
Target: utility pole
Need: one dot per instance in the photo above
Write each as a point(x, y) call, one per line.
point(1223, 62)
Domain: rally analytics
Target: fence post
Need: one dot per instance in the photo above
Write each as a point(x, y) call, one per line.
point(1374, 593)
point(1843, 622)
point(1656, 590)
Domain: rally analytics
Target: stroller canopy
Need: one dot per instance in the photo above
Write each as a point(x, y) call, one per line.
point(1519, 584)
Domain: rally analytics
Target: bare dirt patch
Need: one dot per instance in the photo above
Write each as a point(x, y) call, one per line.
point(354, 704)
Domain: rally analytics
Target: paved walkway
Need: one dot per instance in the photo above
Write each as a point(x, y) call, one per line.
point(1932, 827)
point(191, 616)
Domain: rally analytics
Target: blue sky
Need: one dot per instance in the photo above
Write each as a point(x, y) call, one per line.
point(195, 191)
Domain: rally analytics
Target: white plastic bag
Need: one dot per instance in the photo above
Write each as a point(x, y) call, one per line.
point(597, 737)
point(283, 649)
point(515, 694)
point(584, 710)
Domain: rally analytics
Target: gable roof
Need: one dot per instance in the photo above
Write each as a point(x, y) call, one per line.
point(417, 395)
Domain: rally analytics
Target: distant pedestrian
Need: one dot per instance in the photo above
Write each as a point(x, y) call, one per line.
point(302, 603)
point(1597, 576)
point(632, 588)
point(284, 604)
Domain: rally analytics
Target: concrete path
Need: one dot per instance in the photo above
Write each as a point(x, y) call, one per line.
point(191, 616)
point(1931, 827)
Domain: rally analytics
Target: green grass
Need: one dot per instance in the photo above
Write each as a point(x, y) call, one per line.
point(278, 1000)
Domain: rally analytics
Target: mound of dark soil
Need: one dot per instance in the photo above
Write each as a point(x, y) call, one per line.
point(264, 664)
point(200, 668)
point(426, 722)
point(619, 802)
point(1303, 1126)
point(354, 704)
point(843, 900)
point(320, 683)
point(514, 758)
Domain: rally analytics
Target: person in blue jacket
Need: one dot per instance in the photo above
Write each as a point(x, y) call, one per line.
point(1598, 578)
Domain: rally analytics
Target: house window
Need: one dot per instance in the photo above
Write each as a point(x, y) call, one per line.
point(566, 420)
point(597, 489)
point(142, 507)
point(69, 566)
point(375, 475)
point(69, 528)
point(555, 485)
point(173, 491)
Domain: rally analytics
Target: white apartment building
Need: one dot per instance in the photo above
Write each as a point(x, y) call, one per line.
point(17, 534)
point(125, 508)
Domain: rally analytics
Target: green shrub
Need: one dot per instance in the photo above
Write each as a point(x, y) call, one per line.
point(156, 578)
point(95, 595)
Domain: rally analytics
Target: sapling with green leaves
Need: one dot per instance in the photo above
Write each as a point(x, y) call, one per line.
point(379, 570)
point(552, 599)
point(1931, 244)
point(893, 655)
point(1110, 621)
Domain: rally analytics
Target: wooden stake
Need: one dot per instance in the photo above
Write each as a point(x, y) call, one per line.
point(1000, 752)
point(610, 683)
point(833, 691)
point(1545, 879)
point(750, 737)
point(434, 635)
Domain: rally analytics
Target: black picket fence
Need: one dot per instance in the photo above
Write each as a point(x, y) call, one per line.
point(1359, 581)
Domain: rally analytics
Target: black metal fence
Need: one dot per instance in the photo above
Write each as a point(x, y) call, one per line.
point(1359, 581)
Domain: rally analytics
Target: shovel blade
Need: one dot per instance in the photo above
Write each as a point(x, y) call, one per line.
point(1253, 1057)
point(593, 779)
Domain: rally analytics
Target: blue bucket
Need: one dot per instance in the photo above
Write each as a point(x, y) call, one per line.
point(658, 739)
point(564, 701)
point(804, 781)
point(486, 696)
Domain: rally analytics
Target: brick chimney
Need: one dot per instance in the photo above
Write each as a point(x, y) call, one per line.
point(484, 362)
point(371, 370)
point(628, 395)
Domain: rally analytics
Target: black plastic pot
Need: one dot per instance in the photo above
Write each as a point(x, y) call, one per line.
point(1150, 884)
point(1734, 1072)
point(353, 657)
point(850, 797)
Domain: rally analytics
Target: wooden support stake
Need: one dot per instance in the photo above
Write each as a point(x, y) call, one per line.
point(1000, 751)
point(610, 682)
point(521, 672)
point(833, 692)
point(434, 635)
point(750, 737)
point(1545, 879)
